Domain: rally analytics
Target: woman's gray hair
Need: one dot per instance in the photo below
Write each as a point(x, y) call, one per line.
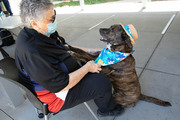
point(34, 10)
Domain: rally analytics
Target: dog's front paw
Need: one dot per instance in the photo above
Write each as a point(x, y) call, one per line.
point(71, 53)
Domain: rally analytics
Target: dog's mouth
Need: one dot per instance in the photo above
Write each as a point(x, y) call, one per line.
point(103, 32)
point(104, 39)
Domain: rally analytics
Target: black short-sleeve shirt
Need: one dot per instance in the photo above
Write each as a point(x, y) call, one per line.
point(40, 56)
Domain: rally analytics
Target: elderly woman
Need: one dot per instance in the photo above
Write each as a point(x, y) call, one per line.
point(47, 69)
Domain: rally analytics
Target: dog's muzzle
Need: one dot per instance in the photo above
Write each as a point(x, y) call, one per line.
point(105, 40)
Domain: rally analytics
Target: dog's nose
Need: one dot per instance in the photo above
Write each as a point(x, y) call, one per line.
point(100, 30)
point(104, 30)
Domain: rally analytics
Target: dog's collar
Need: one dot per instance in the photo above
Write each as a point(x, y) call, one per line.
point(107, 57)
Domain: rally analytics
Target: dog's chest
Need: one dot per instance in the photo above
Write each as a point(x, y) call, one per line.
point(127, 63)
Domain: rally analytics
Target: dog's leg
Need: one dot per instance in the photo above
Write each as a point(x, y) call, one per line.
point(81, 54)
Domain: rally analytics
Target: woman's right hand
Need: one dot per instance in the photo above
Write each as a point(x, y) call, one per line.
point(93, 67)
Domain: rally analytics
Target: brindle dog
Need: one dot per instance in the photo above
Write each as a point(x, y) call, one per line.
point(127, 90)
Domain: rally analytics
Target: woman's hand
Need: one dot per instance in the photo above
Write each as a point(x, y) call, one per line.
point(93, 67)
point(76, 76)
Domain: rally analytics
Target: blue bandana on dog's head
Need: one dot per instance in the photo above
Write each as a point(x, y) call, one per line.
point(107, 57)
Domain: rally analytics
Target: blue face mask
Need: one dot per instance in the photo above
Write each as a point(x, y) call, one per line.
point(51, 28)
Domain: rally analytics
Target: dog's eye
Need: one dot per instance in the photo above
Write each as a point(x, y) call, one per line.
point(112, 28)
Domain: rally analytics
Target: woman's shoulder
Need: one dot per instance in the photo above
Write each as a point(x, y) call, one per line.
point(24, 34)
point(25, 40)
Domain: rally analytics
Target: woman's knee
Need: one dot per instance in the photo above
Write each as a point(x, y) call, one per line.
point(102, 82)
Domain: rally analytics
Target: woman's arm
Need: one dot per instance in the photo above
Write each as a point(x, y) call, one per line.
point(76, 76)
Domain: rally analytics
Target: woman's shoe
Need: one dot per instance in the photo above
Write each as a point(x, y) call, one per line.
point(116, 112)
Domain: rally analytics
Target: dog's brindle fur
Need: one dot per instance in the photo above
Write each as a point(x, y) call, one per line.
point(127, 90)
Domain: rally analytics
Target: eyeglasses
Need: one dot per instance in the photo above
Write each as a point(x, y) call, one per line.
point(54, 17)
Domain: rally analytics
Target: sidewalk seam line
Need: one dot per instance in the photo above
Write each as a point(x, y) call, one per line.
point(6, 114)
point(153, 52)
point(162, 72)
point(101, 22)
point(158, 71)
point(69, 17)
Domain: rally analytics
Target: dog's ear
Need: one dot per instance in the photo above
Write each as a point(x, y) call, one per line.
point(127, 40)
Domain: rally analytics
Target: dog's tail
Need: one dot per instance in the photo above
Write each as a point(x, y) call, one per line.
point(154, 100)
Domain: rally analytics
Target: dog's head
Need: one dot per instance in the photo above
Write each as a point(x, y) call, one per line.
point(116, 39)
